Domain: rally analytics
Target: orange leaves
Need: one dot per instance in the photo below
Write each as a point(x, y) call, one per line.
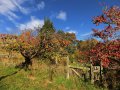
point(66, 43)
point(28, 44)
point(27, 40)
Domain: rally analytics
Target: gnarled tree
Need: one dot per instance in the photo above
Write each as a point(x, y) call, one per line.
point(28, 46)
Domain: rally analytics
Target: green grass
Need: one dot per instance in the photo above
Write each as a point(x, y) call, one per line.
point(39, 80)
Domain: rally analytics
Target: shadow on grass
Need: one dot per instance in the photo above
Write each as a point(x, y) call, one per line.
point(3, 77)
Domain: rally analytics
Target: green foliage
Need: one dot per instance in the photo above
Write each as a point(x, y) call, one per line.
point(87, 44)
point(60, 32)
point(47, 27)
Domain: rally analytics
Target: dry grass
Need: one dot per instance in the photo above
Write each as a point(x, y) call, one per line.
point(38, 78)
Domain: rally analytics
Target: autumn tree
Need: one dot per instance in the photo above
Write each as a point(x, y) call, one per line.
point(48, 41)
point(111, 18)
point(107, 51)
point(84, 48)
point(53, 42)
point(27, 44)
point(50, 45)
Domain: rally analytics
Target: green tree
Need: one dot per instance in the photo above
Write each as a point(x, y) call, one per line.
point(48, 27)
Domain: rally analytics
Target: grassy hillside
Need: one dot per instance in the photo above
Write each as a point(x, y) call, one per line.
point(38, 78)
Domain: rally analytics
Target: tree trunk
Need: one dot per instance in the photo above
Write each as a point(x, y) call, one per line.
point(51, 73)
point(27, 63)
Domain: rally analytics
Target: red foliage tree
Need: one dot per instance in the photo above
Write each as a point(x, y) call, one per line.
point(107, 51)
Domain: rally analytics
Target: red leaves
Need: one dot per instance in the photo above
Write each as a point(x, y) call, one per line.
point(111, 18)
point(109, 52)
point(99, 19)
point(105, 62)
point(113, 14)
point(104, 34)
point(106, 52)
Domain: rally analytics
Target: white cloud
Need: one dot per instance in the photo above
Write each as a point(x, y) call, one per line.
point(72, 31)
point(34, 22)
point(86, 34)
point(69, 30)
point(18, 5)
point(41, 5)
point(62, 15)
point(9, 7)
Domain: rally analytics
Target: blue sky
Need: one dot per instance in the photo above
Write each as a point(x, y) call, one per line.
point(68, 15)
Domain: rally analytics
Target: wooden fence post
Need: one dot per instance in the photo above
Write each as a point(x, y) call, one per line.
point(67, 68)
point(92, 73)
point(101, 82)
point(56, 60)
